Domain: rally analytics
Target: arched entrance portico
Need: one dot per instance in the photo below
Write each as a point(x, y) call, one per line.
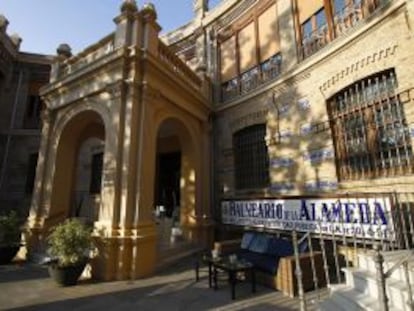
point(175, 184)
point(54, 199)
point(134, 104)
point(78, 131)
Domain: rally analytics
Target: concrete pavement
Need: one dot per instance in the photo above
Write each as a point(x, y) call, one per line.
point(28, 287)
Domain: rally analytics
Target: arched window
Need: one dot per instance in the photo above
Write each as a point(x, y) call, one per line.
point(371, 135)
point(251, 158)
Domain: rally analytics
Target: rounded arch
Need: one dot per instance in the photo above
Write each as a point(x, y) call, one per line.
point(176, 191)
point(187, 125)
point(73, 112)
point(73, 129)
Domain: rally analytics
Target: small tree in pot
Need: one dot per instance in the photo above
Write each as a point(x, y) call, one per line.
point(69, 246)
point(10, 234)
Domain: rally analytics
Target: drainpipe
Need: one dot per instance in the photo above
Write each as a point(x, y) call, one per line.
point(11, 127)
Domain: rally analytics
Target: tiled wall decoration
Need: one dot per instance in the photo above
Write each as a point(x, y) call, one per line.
point(314, 128)
point(303, 104)
point(282, 187)
point(321, 185)
point(284, 109)
point(317, 156)
point(281, 162)
point(284, 135)
point(306, 129)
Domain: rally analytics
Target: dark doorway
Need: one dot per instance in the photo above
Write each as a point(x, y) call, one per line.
point(167, 191)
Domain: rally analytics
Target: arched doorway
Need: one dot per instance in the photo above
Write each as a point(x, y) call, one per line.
point(175, 185)
point(87, 191)
point(82, 134)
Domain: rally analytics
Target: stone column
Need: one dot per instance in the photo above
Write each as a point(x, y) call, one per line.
point(64, 52)
point(124, 24)
point(151, 28)
point(205, 223)
point(287, 34)
point(35, 222)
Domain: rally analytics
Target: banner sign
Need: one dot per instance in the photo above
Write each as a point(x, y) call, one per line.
point(368, 218)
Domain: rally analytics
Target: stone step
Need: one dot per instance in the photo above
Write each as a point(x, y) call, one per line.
point(367, 262)
point(351, 299)
point(365, 282)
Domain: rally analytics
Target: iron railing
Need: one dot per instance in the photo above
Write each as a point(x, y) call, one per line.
point(252, 78)
point(341, 250)
point(343, 20)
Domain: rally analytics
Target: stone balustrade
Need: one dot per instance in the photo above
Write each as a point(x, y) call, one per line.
point(89, 55)
point(177, 65)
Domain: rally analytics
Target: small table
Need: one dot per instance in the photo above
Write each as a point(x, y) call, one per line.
point(209, 260)
point(232, 269)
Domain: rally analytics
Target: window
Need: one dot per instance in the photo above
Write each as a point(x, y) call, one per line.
point(33, 110)
point(96, 173)
point(249, 52)
point(315, 32)
point(338, 6)
point(249, 80)
point(251, 158)
point(320, 21)
point(271, 68)
point(370, 130)
point(31, 172)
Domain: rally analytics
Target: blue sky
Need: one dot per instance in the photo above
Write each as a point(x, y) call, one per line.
point(44, 24)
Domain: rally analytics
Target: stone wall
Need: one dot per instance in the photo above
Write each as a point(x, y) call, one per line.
point(298, 100)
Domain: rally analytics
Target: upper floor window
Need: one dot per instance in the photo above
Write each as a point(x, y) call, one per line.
point(321, 21)
point(251, 158)
point(371, 135)
point(34, 107)
point(250, 52)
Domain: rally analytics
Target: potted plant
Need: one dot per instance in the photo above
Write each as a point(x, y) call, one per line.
point(10, 233)
point(69, 244)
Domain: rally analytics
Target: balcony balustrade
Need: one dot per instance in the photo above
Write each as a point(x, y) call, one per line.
point(342, 21)
point(253, 78)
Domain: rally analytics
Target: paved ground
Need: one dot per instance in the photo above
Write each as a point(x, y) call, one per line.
point(28, 287)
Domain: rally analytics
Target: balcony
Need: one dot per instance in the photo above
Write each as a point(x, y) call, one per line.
point(252, 79)
point(342, 21)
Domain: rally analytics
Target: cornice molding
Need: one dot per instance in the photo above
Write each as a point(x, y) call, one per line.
point(366, 61)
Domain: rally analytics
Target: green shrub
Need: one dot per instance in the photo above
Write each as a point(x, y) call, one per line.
point(10, 230)
point(69, 242)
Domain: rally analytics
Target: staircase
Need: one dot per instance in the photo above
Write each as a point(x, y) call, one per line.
point(360, 292)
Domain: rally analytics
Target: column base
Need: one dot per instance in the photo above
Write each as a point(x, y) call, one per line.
point(126, 257)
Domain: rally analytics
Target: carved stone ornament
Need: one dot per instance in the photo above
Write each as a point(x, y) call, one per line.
point(149, 12)
point(129, 6)
point(3, 23)
point(64, 50)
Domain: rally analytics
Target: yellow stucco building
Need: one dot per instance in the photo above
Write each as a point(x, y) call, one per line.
point(250, 100)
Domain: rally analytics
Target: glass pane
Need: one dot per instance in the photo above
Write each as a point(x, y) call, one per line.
point(307, 29)
point(320, 19)
point(371, 130)
point(338, 5)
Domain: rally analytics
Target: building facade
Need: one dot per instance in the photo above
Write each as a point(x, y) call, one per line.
point(21, 76)
point(252, 100)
